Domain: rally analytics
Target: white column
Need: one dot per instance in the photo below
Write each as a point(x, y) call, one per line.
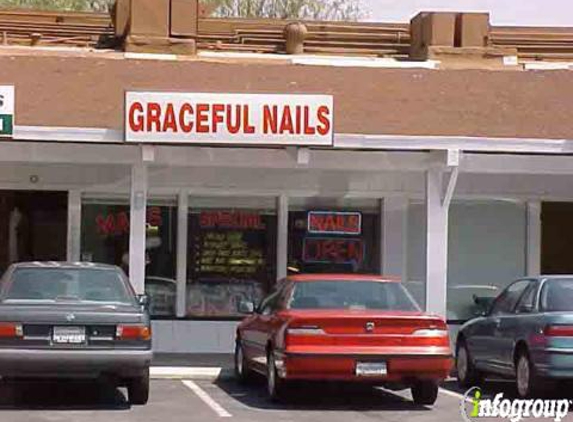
point(182, 251)
point(74, 225)
point(436, 243)
point(282, 236)
point(138, 220)
point(394, 228)
point(533, 257)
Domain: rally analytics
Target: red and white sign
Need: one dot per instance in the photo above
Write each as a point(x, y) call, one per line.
point(334, 222)
point(250, 119)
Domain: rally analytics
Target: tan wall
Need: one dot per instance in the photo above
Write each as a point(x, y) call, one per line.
point(88, 92)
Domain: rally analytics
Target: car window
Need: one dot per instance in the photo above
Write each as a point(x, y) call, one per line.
point(527, 302)
point(506, 301)
point(359, 295)
point(68, 284)
point(271, 302)
point(557, 295)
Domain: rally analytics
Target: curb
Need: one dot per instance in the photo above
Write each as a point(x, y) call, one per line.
point(190, 373)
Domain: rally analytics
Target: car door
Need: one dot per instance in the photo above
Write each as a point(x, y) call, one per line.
point(258, 331)
point(517, 325)
point(503, 322)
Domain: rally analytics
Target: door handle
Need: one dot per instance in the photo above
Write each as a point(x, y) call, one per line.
point(497, 322)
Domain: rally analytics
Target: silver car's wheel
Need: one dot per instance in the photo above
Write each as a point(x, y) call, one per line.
point(523, 376)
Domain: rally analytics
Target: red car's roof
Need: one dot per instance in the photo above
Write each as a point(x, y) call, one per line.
point(344, 277)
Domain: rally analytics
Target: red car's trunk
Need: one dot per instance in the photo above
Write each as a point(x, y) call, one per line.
point(363, 329)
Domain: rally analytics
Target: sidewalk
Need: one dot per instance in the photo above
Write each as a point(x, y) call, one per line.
point(197, 366)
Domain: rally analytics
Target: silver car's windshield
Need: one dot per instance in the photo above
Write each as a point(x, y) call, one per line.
point(557, 295)
point(67, 285)
point(357, 295)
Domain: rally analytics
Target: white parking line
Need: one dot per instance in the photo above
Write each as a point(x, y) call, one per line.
point(207, 399)
point(454, 394)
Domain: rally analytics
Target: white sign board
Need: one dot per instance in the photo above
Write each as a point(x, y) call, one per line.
point(235, 119)
point(6, 110)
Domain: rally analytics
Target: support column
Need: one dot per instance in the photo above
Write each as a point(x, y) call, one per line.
point(282, 236)
point(394, 221)
point(182, 239)
point(436, 243)
point(74, 225)
point(138, 222)
point(533, 253)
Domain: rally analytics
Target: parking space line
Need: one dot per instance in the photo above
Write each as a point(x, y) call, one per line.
point(207, 399)
point(454, 394)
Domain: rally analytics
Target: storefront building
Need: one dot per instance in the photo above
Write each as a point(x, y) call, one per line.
point(208, 180)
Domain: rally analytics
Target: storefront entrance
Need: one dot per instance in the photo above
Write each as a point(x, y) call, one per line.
point(33, 226)
point(557, 238)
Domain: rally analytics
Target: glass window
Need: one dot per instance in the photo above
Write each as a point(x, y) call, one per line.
point(68, 284)
point(358, 295)
point(487, 244)
point(334, 236)
point(105, 239)
point(506, 302)
point(527, 301)
point(231, 257)
point(557, 295)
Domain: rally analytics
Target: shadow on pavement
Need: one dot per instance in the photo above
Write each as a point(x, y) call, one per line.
point(62, 395)
point(319, 397)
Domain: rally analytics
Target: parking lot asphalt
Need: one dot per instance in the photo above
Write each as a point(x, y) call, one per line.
point(206, 401)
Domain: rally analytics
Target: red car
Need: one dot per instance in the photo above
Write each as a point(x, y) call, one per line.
point(328, 327)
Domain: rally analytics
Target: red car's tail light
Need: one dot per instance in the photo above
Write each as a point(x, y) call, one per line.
point(11, 330)
point(133, 332)
point(558, 331)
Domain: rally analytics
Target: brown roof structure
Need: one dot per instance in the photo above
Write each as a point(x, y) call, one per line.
point(85, 88)
point(26, 27)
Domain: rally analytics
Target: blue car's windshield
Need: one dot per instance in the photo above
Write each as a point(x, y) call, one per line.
point(557, 295)
point(67, 284)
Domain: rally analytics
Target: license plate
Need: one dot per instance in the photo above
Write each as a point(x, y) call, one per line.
point(371, 369)
point(69, 335)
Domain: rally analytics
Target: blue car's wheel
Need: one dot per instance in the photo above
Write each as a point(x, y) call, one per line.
point(468, 375)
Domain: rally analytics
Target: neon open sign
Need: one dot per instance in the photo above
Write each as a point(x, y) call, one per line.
point(334, 222)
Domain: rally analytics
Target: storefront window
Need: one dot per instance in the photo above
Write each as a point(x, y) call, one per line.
point(487, 249)
point(231, 259)
point(333, 239)
point(105, 239)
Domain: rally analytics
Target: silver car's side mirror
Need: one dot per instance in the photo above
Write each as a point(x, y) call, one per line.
point(246, 307)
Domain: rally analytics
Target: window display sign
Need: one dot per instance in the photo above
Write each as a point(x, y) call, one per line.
point(230, 260)
point(6, 111)
point(241, 119)
point(333, 250)
point(117, 223)
point(326, 222)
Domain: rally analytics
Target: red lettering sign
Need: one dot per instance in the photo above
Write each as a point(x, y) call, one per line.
point(324, 222)
point(333, 250)
point(256, 119)
point(231, 220)
point(117, 224)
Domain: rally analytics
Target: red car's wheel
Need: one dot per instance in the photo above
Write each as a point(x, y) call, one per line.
point(276, 386)
point(425, 393)
point(243, 372)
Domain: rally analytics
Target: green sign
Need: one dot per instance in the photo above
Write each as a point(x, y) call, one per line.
point(6, 125)
point(6, 111)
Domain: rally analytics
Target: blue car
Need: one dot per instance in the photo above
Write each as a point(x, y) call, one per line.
point(527, 334)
